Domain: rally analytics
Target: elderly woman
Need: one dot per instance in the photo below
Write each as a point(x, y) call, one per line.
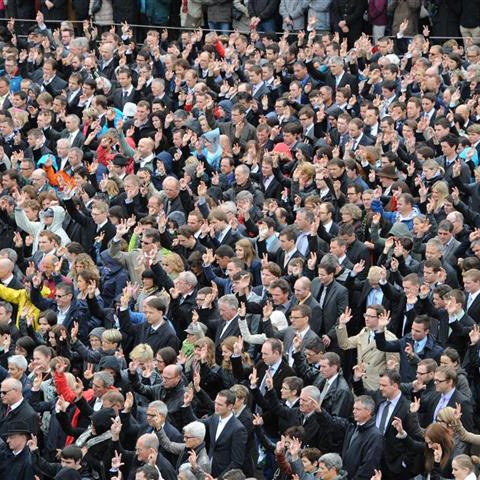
point(194, 437)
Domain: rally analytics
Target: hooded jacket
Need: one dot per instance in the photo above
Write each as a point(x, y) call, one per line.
point(35, 228)
point(113, 278)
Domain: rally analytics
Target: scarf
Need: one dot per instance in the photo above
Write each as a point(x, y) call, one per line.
point(87, 439)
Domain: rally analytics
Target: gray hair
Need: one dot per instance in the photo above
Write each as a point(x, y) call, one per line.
point(150, 440)
point(230, 301)
point(18, 361)
point(229, 207)
point(332, 460)
point(313, 392)
point(104, 377)
point(9, 253)
point(435, 242)
point(188, 277)
point(159, 406)
point(367, 402)
point(244, 195)
point(80, 42)
point(336, 60)
point(195, 429)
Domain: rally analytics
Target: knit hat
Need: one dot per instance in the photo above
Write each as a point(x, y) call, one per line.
point(97, 332)
point(109, 361)
point(102, 420)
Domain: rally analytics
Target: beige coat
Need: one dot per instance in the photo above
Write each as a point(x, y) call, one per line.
point(375, 361)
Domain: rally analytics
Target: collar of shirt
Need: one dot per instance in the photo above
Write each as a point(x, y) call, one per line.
point(327, 226)
point(16, 405)
point(447, 396)
point(394, 401)
point(274, 367)
point(224, 232)
point(225, 420)
point(127, 91)
point(456, 316)
point(303, 332)
point(421, 344)
point(102, 225)
point(342, 259)
point(237, 414)
point(146, 160)
point(473, 296)
point(7, 280)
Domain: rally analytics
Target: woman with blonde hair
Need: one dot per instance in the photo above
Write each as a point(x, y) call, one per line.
point(244, 251)
point(83, 262)
point(463, 467)
point(173, 265)
point(435, 205)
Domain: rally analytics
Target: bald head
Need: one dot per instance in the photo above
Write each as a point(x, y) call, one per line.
point(12, 391)
point(6, 268)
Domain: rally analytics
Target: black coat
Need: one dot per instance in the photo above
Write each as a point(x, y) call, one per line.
point(164, 336)
point(395, 459)
point(88, 230)
point(18, 466)
point(362, 445)
point(24, 412)
point(228, 451)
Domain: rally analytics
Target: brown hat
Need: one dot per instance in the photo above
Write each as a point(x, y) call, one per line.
point(388, 172)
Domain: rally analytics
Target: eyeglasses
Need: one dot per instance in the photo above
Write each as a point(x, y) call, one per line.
point(422, 373)
point(187, 437)
point(439, 381)
point(143, 242)
point(295, 318)
point(60, 295)
point(4, 392)
point(367, 315)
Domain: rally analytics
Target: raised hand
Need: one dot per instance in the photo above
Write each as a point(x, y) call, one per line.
point(253, 377)
point(359, 371)
point(267, 310)
point(116, 428)
point(415, 405)
point(188, 397)
point(383, 320)
point(398, 425)
point(117, 460)
point(346, 316)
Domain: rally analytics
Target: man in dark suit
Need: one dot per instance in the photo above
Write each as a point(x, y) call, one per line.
point(126, 93)
point(67, 308)
point(448, 396)
point(298, 334)
point(238, 130)
point(52, 83)
point(288, 250)
point(414, 346)
point(390, 404)
point(93, 224)
point(156, 331)
point(72, 131)
point(336, 77)
point(471, 283)
point(357, 136)
point(335, 394)
point(333, 300)
point(227, 436)
point(272, 365)
point(183, 302)
point(356, 250)
point(223, 232)
point(15, 407)
point(303, 296)
point(226, 325)
point(108, 61)
point(458, 321)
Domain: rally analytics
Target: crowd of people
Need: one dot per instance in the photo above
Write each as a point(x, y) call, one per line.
point(232, 255)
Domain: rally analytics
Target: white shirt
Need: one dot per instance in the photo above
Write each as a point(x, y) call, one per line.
point(221, 425)
point(7, 280)
point(471, 297)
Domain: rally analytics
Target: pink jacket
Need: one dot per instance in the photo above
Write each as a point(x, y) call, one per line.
point(377, 12)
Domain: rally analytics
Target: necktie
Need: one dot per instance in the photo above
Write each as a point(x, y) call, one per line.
point(9, 409)
point(469, 301)
point(441, 404)
point(125, 94)
point(218, 432)
point(324, 392)
point(383, 420)
point(416, 347)
point(322, 297)
point(264, 381)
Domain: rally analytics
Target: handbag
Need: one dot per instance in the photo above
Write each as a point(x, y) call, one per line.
point(96, 6)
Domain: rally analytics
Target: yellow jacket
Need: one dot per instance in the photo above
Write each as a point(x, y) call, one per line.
point(21, 298)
